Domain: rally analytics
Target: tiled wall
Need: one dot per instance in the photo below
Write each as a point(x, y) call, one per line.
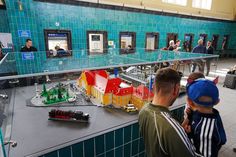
point(4, 24)
point(37, 16)
point(124, 142)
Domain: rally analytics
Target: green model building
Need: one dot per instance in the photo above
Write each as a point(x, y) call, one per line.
point(56, 94)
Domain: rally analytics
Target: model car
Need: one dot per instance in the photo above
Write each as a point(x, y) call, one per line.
point(4, 96)
point(130, 108)
point(71, 100)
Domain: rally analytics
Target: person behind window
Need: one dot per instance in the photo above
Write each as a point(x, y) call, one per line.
point(171, 45)
point(177, 45)
point(60, 51)
point(199, 49)
point(28, 46)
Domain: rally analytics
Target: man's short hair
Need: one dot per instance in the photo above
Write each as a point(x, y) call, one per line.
point(166, 79)
point(177, 40)
point(200, 41)
point(28, 40)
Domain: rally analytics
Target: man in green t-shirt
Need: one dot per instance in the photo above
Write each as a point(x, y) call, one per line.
point(163, 135)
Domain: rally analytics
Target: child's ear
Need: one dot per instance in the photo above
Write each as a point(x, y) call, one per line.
point(190, 102)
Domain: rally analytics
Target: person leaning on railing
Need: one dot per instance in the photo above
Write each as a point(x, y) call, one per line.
point(28, 46)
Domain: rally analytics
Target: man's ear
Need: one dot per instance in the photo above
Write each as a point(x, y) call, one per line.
point(176, 89)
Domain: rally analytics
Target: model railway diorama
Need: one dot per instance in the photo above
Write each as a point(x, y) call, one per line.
point(75, 116)
point(54, 96)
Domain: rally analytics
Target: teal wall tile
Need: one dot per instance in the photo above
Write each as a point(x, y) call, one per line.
point(110, 153)
point(127, 150)
point(89, 148)
point(119, 152)
point(77, 149)
point(4, 24)
point(99, 142)
point(135, 131)
point(135, 147)
point(38, 16)
point(52, 154)
point(119, 137)
point(101, 155)
point(65, 152)
point(109, 140)
point(127, 134)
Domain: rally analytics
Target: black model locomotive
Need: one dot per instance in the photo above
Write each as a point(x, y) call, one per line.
point(68, 115)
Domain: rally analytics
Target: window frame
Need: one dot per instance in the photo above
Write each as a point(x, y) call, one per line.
point(156, 45)
point(105, 40)
point(69, 40)
point(167, 38)
point(133, 34)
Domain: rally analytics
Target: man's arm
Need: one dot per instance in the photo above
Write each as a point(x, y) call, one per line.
point(176, 141)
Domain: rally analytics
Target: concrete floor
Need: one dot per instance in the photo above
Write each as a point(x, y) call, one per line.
point(227, 108)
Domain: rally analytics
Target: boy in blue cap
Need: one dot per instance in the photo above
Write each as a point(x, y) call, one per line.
point(206, 129)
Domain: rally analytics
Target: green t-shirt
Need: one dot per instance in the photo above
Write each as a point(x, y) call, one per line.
point(163, 135)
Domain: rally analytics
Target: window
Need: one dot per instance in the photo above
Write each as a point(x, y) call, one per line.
point(127, 42)
point(215, 39)
point(202, 4)
point(171, 36)
point(188, 41)
point(152, 40)
point(97, 42)
point(58, 43)
point(178, 2)
point(204, 38)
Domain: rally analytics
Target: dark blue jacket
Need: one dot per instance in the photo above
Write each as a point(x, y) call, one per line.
point(207, 133)
point(199, 49)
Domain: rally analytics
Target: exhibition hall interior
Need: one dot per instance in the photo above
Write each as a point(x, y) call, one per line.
point(117, 78)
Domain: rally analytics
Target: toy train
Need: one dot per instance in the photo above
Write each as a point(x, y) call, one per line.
point(77, 116)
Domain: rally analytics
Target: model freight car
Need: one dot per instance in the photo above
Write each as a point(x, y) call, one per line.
point(78, 116)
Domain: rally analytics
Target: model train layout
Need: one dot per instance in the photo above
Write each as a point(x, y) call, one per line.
point(76, 116)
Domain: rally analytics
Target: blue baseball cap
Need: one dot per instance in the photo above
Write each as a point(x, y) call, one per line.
point(200, 88)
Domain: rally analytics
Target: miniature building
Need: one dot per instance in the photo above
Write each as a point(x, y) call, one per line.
point(86, 80)
point(141, 95)
point(113, 91)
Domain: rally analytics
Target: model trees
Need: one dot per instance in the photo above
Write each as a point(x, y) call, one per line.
point(44, 92)
point(59, 94)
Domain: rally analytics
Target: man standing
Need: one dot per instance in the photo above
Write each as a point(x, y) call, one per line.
point(210, 50)
point(199, 49)
point(163, 135)
point(28, 46)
